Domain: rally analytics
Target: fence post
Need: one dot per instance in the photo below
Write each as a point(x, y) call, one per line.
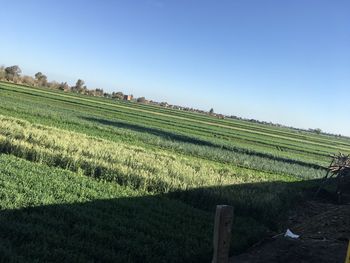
point(222, 233)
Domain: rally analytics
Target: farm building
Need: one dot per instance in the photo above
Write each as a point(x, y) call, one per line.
point(128, 97)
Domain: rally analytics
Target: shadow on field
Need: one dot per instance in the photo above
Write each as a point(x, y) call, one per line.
point(139, 229)
point(168, 135)
point(157, 132)
point(174, 227)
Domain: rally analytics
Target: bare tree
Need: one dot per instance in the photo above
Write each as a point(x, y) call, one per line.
point(53, 84)
point(2, 73)
point(28, 80)
point(63, 86)
point(99, 92)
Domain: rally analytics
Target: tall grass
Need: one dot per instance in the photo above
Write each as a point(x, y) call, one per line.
point(156, 171)
point(302, 166)
point(262, 142)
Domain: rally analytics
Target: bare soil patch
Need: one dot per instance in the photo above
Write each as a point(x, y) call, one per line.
point(324, 229)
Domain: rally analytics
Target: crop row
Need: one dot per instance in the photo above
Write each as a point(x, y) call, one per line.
point(219, 154)
point(304, 135)
point(155, 171)
point(84, 115)
point(308, 136)
point(132, 111)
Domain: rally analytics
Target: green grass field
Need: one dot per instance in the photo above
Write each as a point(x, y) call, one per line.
point(93, 179)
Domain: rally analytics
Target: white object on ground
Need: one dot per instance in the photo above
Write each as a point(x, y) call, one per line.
point(290, 234)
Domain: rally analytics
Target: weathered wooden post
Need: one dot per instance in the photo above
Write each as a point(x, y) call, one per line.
point(347, 260)
point(222, 233)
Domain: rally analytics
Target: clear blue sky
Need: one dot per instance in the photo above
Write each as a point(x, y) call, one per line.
point(279, 61)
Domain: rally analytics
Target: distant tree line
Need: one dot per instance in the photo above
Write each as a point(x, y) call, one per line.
point(13, 74)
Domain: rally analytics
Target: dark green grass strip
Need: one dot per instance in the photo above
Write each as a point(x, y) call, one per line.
point(52, 215)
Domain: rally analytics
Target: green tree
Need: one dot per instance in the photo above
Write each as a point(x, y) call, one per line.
point(80, 83)
point(79, 86)
point(211, 112)
point(118, 95)
point(318, 131)
point(141, 100)
point(41, 79)
point(107, 95)
point(12, 72)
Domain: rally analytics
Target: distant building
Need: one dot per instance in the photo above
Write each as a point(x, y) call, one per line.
point(128, 97)
point(164, 104)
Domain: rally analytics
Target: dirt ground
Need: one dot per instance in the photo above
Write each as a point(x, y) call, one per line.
point(324, 229)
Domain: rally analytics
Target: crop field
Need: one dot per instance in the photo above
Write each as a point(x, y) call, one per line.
point(93, 179)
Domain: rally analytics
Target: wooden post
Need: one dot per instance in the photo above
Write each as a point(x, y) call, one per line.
point(222, 233)
point(347, 260)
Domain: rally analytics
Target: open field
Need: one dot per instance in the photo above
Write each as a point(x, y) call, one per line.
point(49, 214)
point(152, 175)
